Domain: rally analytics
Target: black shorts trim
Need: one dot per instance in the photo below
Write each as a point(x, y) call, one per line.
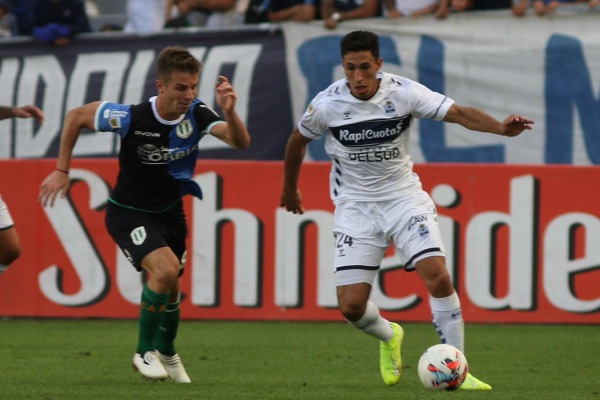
point(408, 267)
point(366, 267)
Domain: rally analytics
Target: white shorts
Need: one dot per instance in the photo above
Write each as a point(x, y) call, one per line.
point(6, 220)
point(363, 231)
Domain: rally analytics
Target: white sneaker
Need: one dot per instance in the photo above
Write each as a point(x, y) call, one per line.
point(149, 366)
point(174, 368)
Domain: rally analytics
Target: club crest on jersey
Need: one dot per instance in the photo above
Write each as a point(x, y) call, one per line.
point(347, 115)
point(184, 129)
point(389, 107)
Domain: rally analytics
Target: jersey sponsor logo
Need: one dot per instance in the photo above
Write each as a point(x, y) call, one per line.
point(184, 129)
point(114, 114)
point(148, 134)
point(375, 156)
point(138, 235)
point(372, 132)
point(151, 154)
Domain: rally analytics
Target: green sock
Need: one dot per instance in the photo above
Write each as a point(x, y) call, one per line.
point(152, 309)
point(165, 337)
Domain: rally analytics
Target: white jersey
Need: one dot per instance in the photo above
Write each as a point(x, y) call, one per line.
point(368, 140)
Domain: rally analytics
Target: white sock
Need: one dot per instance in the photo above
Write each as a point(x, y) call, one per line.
point(448, 321)
point(373, 324)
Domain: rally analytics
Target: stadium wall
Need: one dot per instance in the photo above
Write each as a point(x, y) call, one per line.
point(521, 245)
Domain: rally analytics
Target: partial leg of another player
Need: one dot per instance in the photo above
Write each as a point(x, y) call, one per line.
point(446, 310)
point(10, 247)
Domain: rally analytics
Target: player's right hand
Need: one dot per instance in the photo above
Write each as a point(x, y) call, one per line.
point(292, 201)
point(55, 183)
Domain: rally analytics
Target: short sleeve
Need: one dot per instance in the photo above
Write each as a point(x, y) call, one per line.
point(312, 123)
point(429, 104)
point(113, 117)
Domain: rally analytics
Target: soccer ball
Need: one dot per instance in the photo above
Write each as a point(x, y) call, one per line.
point(442, 367)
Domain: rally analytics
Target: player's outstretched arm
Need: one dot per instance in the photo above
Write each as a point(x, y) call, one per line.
point(58, 181)
point(291, 197)
point(478, 120)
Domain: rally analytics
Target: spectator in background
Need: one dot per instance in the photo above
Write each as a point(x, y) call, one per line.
point(411, 8)
point(57, 21)
point(256, 12)
point(290, 10)
point(23, 12)
point(335, 11)
point(594, 3)
point(207, 13)
point(144, 16)
point(8, 22)
point(519, 7)
point(543, 7)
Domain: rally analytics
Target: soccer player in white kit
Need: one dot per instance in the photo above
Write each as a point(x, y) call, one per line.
point(365, 119)
point(10, 246)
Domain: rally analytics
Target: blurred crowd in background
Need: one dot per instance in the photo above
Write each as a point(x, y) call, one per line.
point(57, 21)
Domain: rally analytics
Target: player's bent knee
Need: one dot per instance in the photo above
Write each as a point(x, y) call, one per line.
point(165, 277)
point(352, 311)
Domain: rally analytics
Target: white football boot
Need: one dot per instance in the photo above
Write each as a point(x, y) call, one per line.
point(149, 366)
point(174, 367)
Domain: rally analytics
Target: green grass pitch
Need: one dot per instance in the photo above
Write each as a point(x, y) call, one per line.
point(91, 359)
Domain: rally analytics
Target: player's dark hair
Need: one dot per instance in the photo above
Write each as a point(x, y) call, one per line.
point(360, 41)
point(176, 58)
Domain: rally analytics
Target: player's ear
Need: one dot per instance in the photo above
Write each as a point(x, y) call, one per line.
point(379, 63)
point(159, 85)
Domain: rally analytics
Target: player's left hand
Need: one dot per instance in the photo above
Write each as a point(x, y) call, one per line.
point(226, 96)
point(514, 124)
